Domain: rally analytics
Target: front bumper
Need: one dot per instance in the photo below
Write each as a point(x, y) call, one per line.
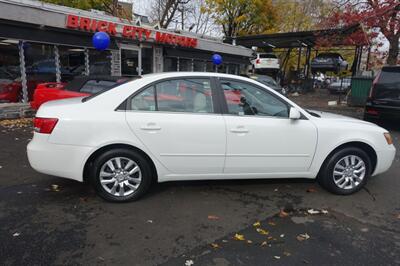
point(384, 160)
point(54, 159)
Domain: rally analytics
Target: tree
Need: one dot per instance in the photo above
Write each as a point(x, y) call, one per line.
point(376, 16)
point(242, 17)
point(166, 11)
point(300, 15)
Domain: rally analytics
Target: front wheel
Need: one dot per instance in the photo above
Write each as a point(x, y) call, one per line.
point(121, 175)
point(346, 171)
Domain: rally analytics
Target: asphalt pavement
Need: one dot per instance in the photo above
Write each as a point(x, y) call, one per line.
point(45, 220)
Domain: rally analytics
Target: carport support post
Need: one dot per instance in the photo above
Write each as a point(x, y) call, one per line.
point(57, 62)
point(298, 60)
point(23, 73)
point(307, 66)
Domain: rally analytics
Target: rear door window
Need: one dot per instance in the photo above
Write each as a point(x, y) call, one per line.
point(388, 85)
point(268, 56)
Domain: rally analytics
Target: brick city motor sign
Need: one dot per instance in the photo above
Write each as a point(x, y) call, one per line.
point(127, 31)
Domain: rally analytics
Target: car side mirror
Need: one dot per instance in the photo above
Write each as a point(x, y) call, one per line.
point(294, 113)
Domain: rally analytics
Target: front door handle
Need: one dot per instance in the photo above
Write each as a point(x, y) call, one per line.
point(239, 129)
point(150, 127)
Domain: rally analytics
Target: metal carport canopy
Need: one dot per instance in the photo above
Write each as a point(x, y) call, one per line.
point(291, 39)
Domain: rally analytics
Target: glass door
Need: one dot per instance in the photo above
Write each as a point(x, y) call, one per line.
point(130, 65)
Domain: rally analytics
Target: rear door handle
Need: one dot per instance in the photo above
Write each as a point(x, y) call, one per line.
point(150, 127)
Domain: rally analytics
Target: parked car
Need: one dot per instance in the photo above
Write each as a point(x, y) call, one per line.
point(267, 80)
point(340, 86)
point(78, 87)
point(384, 96)
point(11, 87)
point(125, 138)
point(266, 61)
point(328, 62)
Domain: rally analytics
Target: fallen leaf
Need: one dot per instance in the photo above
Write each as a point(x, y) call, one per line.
point(269, 238)
point(1, 166)
point(225, 241)
point(257, 224)
point(149, 221)
point(239, 237)
point(215, 245)
point(303, 237)
point(84, 199)
point(398, 216)
point(16, 234)
point(272, 223)
point(189, 262)
point(19, 192)
point(263, 243)
point(312, 211)
point(212, 217)
point(283, 214)
point(282, 235)
point(262, 231)
point(277, 257)
point(249, 241)
point(276, 190)
point(311, 190)
point(287, 254)
point(324, 211)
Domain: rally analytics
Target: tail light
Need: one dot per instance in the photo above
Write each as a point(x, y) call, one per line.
point(258, 61)
point(44, 125)
point(371, 111)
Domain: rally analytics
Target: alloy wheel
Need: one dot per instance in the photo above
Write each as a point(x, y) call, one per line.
point(349, 172)
point(120, 176)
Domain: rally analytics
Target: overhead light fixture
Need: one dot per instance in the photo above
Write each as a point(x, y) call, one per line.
point(10, 41)
point(76, 50)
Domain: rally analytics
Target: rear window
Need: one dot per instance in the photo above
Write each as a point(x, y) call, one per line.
point(104, 89)
point(268, 56)
point(94, 86)
point(389, 78)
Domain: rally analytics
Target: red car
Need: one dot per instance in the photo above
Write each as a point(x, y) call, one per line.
point(78, 87)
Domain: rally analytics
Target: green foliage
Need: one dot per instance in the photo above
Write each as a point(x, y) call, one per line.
point(83, 4)
point(242, 17)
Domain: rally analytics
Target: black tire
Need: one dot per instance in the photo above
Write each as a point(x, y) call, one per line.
point(326, 179)
point(139, 160)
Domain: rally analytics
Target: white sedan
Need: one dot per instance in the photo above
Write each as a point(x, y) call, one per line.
point(201, 126)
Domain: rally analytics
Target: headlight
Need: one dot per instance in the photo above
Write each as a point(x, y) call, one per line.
point(388, 138)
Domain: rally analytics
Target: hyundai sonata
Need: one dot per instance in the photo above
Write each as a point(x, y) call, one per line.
point(201, 126)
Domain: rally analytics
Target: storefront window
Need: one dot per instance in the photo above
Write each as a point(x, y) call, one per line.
point(129, 62)
point(147, 60)
point(170, 64)
point(72, 62)
point(198, 65)
point(10, 73)
point(39, 64)
point(233, 69)
point(222, 68)
point(99, 62)
point(210, 67)
point(185, 64)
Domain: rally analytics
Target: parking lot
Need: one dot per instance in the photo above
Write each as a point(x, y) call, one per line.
point(46, 220)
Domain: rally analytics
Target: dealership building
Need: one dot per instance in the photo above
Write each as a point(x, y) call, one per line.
point(42, 42)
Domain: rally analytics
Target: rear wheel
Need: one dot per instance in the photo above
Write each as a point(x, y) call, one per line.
point(121, 175)
point(346, 171)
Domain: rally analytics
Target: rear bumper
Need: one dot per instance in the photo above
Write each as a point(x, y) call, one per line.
point(59, 160)
point(384, 160)
point(382, 113)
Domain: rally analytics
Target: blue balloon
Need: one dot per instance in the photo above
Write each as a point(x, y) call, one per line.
point(217, 59)
point(101, 40)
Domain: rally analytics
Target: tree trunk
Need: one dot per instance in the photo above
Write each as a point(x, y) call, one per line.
point(393, 51)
